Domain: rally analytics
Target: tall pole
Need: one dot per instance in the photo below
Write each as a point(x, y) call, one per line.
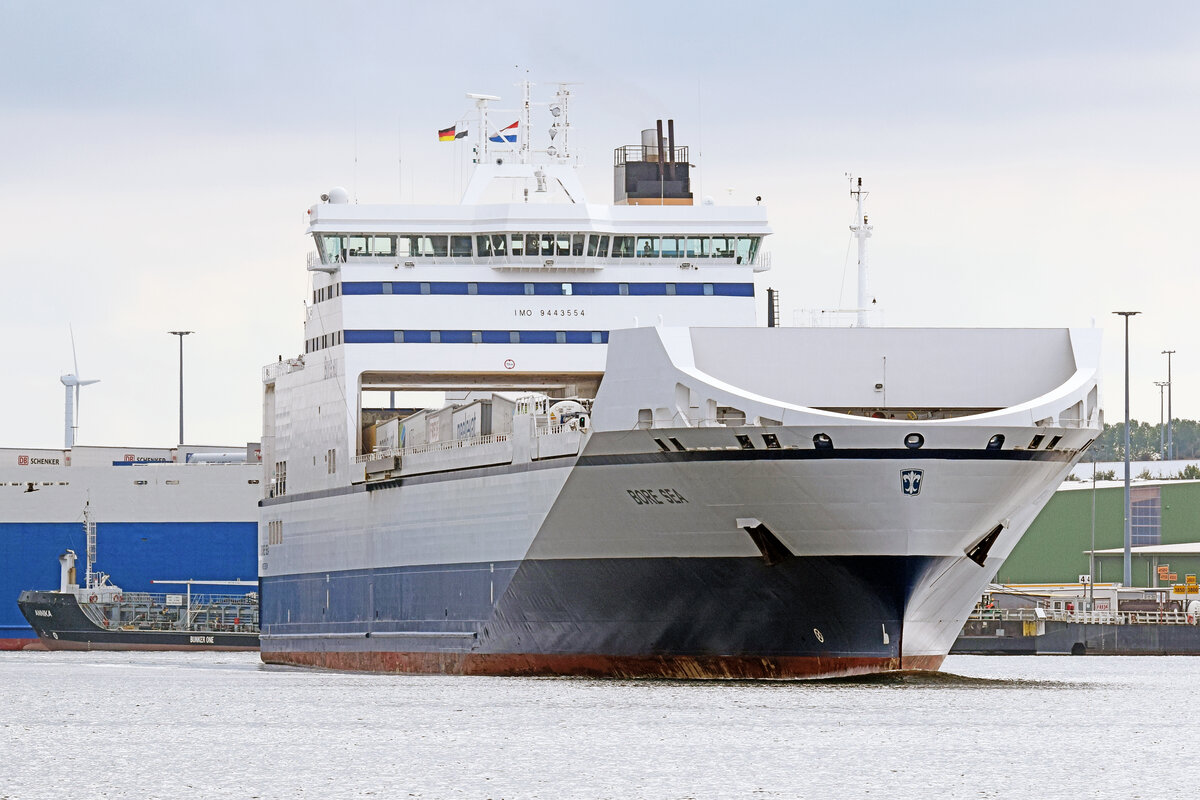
point(1128, 515)
point(1170, 443)
point(1092, 552)
point(180, 334)
point(1162, 435)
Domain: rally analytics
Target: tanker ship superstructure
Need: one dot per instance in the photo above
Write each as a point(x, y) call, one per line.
point(628, 478)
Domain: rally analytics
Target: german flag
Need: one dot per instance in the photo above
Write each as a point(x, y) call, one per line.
point(449, 134)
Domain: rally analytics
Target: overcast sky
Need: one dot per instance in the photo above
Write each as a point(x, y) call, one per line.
point(1030, 164)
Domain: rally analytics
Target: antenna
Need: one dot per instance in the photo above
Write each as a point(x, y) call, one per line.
point(72, 381)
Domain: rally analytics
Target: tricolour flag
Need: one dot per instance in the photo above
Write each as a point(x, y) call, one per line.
point(447, 134)
point(505, 137)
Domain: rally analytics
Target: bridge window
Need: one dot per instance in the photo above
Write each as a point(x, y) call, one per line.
point(433, 246)
point(671, 247)
point(499, 244)
point(518, 245)
point(460, 246)
point(577, 244)
point(694, 249)
point(622, 247)
point(723, 246)
point(407, 246)
point(647, 247)
point(597, 246)
point(483, 246)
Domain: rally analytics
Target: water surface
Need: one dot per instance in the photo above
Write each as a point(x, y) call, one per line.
point(208, 725)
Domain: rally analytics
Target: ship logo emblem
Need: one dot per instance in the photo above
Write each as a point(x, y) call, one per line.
point(910, 481)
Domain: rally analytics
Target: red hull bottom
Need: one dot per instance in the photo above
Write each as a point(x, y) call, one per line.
point(22, 644)
point(601, 666)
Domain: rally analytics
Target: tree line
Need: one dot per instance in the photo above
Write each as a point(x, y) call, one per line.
point(1144, 442)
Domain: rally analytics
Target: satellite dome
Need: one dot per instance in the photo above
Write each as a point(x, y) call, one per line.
point(338, 195)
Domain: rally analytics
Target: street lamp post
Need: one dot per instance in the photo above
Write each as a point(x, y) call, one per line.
point(180, 334)
point(1128, 519)
point(1170, 443)
point(1162, 436)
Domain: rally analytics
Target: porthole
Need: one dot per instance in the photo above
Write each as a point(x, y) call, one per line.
point(914, 441)
point(996, 442)
point(821, 441)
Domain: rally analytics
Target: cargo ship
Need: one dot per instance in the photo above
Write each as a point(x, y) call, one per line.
point(161, 512)
point(99, 615)
point(1106, 619)
point(628, 477)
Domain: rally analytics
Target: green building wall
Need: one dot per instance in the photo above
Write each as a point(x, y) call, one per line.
point(1054, 549)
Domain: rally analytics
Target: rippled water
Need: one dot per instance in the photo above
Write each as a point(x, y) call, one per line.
point(204, 725)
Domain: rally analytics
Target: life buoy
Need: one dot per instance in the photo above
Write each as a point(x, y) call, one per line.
point(92, 599)
point(118, 597)
point(105, 621)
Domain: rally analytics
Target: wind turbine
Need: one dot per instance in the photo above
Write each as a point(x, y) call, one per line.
point(72, 381)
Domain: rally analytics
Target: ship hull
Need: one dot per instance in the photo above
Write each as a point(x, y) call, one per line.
point(646, 565)
point(647, 617)
point(61, 624)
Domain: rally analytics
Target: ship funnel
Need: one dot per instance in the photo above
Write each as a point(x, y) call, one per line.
point(653, 173)
point(66, 581)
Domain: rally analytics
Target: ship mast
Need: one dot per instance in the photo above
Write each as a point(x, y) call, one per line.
point(89, 529)
point(862, 232)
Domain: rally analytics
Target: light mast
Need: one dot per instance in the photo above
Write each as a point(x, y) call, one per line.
point(862, 232)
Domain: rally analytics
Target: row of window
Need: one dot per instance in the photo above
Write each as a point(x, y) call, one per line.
point(454, 337)
point(327, 293)
point(592, 289)
point(335, 247)
point(321, 342)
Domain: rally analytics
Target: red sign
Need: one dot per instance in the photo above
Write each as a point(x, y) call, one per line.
point(129, 457)
point(22, 461)
point(510, 364)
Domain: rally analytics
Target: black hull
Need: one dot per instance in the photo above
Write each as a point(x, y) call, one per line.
point(639, 617)
point(62, 625)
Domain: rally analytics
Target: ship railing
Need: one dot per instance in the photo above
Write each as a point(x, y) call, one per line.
point(157, 599)
point(1084, 617)
point(431, 447)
